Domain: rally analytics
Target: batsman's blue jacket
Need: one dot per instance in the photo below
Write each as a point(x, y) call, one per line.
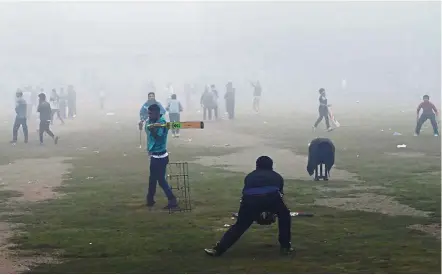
point(159, 144)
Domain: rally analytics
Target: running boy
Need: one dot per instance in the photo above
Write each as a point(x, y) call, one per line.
point(44, 108)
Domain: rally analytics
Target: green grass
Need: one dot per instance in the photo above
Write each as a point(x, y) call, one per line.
point(102, 226)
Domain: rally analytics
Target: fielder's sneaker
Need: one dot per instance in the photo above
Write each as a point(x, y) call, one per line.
point(287, 250)
point(329, 129)
point(177, 135)
point(215, 251)
point(212, 252)
point(436, 135)
point(415, 135)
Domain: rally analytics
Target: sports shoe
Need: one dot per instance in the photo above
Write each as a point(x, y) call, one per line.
point(171, 206)
point(56, 140)
point(436, 135)
point(287, 250)
point(212, 252)
point(329, 129)
point(415, 135)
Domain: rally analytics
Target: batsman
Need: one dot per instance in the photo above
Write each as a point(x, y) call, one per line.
point(159, 157)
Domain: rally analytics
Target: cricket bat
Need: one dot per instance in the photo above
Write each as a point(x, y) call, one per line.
point(180, 125)
point(332, 117)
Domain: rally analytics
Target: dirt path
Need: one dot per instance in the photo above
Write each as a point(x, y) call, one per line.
point(291, 166)
point(250, 147)
point(37, 184)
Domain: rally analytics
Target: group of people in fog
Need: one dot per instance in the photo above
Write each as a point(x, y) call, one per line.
point(63, 104)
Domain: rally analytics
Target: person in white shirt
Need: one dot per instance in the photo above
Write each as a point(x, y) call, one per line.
point(174, 108)
point(54, 102)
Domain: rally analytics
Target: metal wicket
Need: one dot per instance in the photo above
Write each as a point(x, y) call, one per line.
point(178, 177)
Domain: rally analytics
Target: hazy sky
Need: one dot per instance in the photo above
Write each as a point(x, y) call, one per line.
point(382, 46)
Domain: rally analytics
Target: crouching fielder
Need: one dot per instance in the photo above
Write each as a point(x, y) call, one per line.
point(430, 112)
point(262, 192)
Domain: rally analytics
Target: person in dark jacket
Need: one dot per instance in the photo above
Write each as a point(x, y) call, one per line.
point(229, 97)
point(44, 108)
point(208, 102)
point(20, 118)
point(262, 192)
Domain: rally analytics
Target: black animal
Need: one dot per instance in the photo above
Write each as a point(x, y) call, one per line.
point(321, 152)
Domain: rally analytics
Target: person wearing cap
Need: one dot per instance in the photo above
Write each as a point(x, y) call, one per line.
point(262, 192)
point(429, 111)
point(323, 110)
point(20, 118)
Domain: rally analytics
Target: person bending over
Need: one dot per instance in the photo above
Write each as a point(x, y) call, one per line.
point(262, 192)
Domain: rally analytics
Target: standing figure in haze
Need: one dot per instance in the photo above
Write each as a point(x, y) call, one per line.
point(63, 99)
point(144, 109)
point(34, 98)
point(54, 101)
point(188, 95)
point(159, 157)
point(20, 118)
point(229, 97)
point(215, 93)
point(257, 90)
point(429, 111)
point(262, 192)
point(323, 110)
point(72, 102)
point(208, 102)
point(46, 114)
point(169, 92)
point(174, 108)
point(102, 95)
point(27, 97)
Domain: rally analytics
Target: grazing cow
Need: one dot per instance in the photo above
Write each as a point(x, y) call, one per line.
point(321, 152)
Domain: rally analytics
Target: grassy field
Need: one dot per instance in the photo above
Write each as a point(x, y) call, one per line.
point(101, 225)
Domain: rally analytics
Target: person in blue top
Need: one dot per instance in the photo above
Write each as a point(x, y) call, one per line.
point(159, 157)
point(150, 101)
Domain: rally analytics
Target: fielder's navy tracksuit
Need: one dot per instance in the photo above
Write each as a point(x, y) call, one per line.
point(262, 192)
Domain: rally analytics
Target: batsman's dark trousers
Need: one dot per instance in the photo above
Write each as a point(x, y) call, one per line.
point(158, 167)
point(425, 117)
point(20, 121)
point(250, 209)
point(44, 127)
point(323, 113)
